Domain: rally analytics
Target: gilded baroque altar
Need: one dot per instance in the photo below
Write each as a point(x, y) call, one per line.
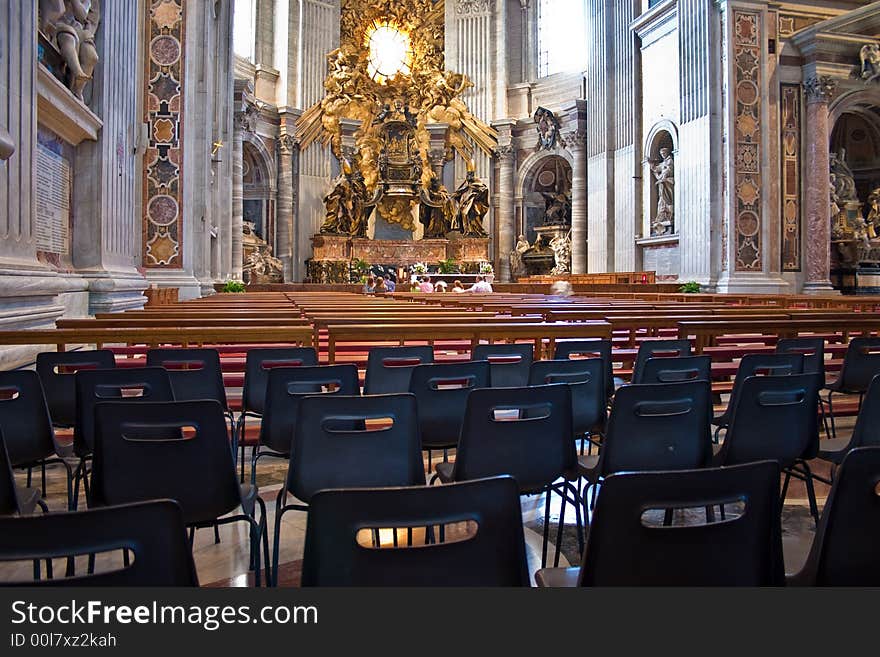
point(394, 119)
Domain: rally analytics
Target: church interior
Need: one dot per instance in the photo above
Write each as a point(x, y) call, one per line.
point(560, 292)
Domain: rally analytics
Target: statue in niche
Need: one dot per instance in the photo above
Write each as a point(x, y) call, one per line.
point(436, 211)
point(873, 219)
point(557, 208)
point(343, 205)
point(664, 174)
point(473, 204)
point(869, 56)
point(844, 181)
point(517, 266)
point(71, 25)
point(548, 129)
point(561, 247)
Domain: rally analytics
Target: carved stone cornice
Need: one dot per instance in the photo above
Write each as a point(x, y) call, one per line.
point(820, 89)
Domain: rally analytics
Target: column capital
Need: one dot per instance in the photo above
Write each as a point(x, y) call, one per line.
point(576, 140)
point(504, 152)
point(287, 144)
point(820, 89)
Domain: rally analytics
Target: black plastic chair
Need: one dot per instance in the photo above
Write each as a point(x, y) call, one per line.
point(508, 363)
point(775, 417)
point(329, 452)
point(861, 364)
point(15, 500)
point(97, 386)
point(846, 547)
point(866, 432)
point(258, 364)
point(195, 374)
point(624, 549)
point(812, 349)
point(136, 459)
point(57, 373)
point(27, 428)
point(442, 391)
point(588, 394)
point(654, 427)
point(757, 365)
point(659, 349)
point(525, 433)
point(675, 370)
point(286, 386)
point(153, 531)
point(493, 554)
point(588, 349)
point(389, 368)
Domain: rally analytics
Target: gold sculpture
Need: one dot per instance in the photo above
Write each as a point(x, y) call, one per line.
point(389, 70)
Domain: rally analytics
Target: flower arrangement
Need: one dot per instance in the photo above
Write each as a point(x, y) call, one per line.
point(420, 268)
point(486, 268)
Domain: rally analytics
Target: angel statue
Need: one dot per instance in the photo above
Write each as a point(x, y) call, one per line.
point(561, 247)
point(473, 204)
point(869, 57)
point(72, 25)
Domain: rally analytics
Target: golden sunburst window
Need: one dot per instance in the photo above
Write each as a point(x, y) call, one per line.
point(390, 51)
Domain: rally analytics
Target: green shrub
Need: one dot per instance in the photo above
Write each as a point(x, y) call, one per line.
point(691, 287)
point(448, 266)
point(233, 287)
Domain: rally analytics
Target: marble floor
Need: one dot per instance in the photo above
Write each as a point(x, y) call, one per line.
point(226, 563)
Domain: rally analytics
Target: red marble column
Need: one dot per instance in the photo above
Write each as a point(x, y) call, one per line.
point(817, 196)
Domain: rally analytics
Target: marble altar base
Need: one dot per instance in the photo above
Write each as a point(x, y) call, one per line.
point(337, 248)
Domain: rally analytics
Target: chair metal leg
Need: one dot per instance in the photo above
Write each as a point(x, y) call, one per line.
point(811, 492)
point(559, 528)
point(785, 487)
point(831, 415)
point(546, 538)
point(276, 540)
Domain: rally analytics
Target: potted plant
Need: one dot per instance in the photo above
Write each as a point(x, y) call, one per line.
point(448, 266)
point(233, 287)
point(691, 287)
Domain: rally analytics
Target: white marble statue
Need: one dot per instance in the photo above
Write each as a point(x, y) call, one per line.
point(664, 172)
point(72, 24)
point(561, 247)
point(517, 267)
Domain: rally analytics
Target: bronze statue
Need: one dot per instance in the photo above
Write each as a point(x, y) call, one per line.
point(473, 204)
point(557, 208)
point(343, 205)
point(436, 211)
point(362, 209)
point(873, 219)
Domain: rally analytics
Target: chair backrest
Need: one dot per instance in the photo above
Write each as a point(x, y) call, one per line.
point(860, 364)
point(775, 417)
point(57, 370)
point(522, 432)
point(658, 427)
point(659, 349)
point(626, 548)
point(846, 548)
point(153, 531)
point(24, 418)
point(328, 452)
point(491, 552)
point(96, 386)
point(675, 370)
point(194, 373)
point(763, 365)
point(136, 458)
point(587, 349)
point(442, 391)
point(287, 386)
point(867, 430)
point(586, 378)
point(9, 503)
point(508, 363)
point(812, 349)
point(260, 362)
point(389, 368)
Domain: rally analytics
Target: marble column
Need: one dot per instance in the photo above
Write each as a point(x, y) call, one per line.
point(287, 146)
point(237, 200)
point(577, 145)
point(818, 91)
point(506, 229)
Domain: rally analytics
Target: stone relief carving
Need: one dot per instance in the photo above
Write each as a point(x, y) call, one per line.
point(71, 25)
point(869, 57)
point(664, 173)
point(474, 6)
point(548, 130)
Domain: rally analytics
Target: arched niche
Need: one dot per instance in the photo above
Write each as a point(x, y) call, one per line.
point(663, 134)
point(541, 173)
point(258, 188)
point(855, 121)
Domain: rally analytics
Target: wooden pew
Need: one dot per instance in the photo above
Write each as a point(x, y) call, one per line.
point(706, 332)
